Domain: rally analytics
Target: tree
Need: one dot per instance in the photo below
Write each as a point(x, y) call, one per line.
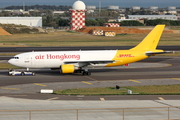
point(91, 23)
point(63, 22)
point(101, 21)
point(131, 23)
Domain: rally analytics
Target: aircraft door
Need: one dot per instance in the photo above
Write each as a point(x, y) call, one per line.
point(27, 60)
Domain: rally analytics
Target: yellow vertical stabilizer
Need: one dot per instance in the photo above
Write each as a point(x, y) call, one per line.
point(151, 41)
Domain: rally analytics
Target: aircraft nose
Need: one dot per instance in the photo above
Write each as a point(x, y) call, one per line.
point(10, 61)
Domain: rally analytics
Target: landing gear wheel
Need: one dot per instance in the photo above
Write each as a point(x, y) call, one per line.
point(86, 73)
point(22, 73)
point(33, 73)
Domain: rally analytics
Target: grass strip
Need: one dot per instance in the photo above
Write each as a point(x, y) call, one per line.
point(141, 90)
point(69, 38)
point(8, 54)
point(7, 66)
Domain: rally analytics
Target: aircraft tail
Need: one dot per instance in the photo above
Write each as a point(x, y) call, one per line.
point(151, 41)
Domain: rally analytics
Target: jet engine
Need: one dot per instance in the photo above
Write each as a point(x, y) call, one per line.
point(67, 69)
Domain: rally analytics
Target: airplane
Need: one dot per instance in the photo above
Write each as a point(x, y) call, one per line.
point(77, 61)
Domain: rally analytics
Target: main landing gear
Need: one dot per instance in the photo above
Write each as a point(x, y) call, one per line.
point(84, 72)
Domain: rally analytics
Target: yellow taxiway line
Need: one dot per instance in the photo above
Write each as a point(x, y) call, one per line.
point(53, 98)
point(86, 82)
point(102, 99)
point(176, 78)
point(90, 78)
point(160, 98)
point(9, 88)
point(135, 81)
point(40, 84)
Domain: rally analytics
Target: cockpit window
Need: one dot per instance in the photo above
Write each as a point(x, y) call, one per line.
point(15, 58)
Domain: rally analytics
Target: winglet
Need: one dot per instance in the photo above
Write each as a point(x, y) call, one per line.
point(151, 41)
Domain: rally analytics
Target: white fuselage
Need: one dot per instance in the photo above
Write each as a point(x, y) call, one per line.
point(53, 59)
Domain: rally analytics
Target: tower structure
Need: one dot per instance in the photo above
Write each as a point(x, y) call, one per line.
point(77, 13)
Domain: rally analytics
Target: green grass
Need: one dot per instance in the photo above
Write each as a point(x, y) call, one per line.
point(141, 90)
point(7, 66)
point(91, 91)
point(69, 38)
point(8, 54)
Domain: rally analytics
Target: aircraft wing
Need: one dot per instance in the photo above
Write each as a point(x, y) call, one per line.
point(91, 62)
point(149, 53)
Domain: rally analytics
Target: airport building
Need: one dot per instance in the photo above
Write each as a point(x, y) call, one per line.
point(152, 17)
point(113, 7)
point(91, 7)
point(135, 7)
point(28, 21)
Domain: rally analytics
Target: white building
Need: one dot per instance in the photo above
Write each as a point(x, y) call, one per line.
point(153, 8)
point(136, 7)
point(113, 7)
point(58, 12)
point(28, 21)
point(91, 7)
point(152, 17)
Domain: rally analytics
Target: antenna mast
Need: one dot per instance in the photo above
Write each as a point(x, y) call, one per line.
point(23, 6)
point(99, 8)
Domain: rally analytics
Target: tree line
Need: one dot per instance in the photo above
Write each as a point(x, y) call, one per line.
point(41, 7)
point(56, 22)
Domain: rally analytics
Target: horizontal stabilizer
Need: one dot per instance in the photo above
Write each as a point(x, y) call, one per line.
point(150, 53)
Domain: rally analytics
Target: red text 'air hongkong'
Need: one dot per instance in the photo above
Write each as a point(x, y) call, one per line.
point(60, 57)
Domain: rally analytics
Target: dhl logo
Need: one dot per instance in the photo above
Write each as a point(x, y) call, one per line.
point(125, 55)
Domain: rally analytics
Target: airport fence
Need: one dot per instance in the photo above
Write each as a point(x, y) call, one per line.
point(131, 113)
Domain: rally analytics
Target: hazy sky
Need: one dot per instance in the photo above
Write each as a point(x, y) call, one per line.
point(121, 3)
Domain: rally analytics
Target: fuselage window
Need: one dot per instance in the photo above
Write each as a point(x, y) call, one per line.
point(15, 57)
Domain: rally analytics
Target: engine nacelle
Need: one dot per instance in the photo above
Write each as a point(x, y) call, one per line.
point(67, 69)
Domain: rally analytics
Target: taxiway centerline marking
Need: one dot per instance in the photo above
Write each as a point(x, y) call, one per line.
point(91, 78)
point(134, 81)
point(53, 98)
point(40, 84)
point(9, 88)
point(160, 98)
point(102, 99)
point(86, 82)
point(175, 78)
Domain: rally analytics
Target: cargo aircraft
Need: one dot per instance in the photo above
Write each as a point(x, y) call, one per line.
point(77, 61)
